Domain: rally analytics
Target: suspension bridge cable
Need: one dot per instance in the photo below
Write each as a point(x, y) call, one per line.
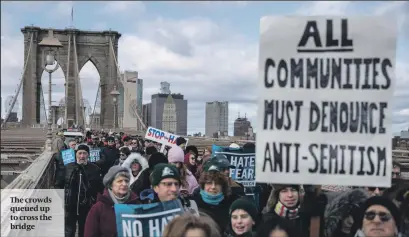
point(123, 81)
point(21, 80)
point(95, 105)
point(67, 80)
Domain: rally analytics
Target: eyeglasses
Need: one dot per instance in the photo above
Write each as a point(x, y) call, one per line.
point(396, 173)
point(374, 188)
point(122, 154)
point(170, 184)
point(383, 216)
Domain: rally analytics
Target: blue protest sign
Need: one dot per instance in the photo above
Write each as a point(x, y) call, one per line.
point(68, 156)
point(146, 219)
point(94, 155)
point(245, 164)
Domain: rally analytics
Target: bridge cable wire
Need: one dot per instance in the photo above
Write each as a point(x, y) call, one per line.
point(67, 80)
point(95, 105)
point(78, 91)
point(123, 82)
point(21, 81)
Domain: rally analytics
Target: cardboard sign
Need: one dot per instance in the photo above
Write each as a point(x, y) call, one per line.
point(68, 156)
point(165, 138)
point(94, 155)
point(145, 219)
point(324, 109)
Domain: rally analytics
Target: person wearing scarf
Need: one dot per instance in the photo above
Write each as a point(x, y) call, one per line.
point(215, 198)
point(101, 220)
point(285, 202)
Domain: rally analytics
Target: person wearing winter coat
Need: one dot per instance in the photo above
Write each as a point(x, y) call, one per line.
point(166, 183)
point(243, 218)
point(378, 217)
point(136, 164)
point(215, 197)
point(81, 184)
point(124, 152)
point(101, 219)
point(143, 182)
point(339, 213)
point(285, 202)
point(176, 156)
point(109, 155)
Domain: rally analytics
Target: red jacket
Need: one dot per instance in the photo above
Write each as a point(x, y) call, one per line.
point(101, 221)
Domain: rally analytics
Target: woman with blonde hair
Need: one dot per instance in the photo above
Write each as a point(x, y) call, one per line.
point(188, 225)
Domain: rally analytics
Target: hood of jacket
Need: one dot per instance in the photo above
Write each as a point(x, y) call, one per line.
point(141, 160)
point(340, 207)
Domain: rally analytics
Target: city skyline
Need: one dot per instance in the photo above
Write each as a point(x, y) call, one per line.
point(217, 62)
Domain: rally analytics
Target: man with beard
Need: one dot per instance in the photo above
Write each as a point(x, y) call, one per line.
point(81, 183)
point(108, 156)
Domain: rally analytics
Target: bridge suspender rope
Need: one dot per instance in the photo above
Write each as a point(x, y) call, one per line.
point(78, 94)
point(120, 79)
point(21, 80)
point(66, 80)
point(95, 105)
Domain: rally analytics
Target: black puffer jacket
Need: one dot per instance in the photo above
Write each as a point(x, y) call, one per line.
point(82, 183)
point(341, 207)
point(108, 157)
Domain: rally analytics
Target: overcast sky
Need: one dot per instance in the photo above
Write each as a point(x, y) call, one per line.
point(205, 50)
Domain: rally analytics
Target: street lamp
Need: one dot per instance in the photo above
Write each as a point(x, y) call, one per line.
point(115, 95)
point(51, 46)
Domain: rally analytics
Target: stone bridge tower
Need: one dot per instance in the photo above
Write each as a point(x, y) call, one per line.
point(91, 46)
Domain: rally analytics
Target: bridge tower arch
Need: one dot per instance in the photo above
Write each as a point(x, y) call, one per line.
point(91, 46)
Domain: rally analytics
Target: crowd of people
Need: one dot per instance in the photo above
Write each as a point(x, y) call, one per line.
point(132, 170)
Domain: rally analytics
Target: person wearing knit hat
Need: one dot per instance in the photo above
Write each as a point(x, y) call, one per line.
point(284, 202)
point(82, 154)
point(165, 180)
point(378, 217)
point(101, 218)
point(243, 216)
point(176, 157)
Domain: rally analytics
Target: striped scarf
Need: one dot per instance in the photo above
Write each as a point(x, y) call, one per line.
point(285, 212)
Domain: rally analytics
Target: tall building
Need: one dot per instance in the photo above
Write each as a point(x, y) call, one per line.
point(169, 118)
point(131, 100)
point(157, 110)
point(241, 127)
point(217, 118)
point(146, 114)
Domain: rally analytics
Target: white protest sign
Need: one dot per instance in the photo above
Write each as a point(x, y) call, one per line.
point(324, 109)
point(165, 138)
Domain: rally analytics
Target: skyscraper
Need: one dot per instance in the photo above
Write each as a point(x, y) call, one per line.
point(217, 118)
point(169, 119)
point(241, 127)
point(158, 110)
point(131, 100)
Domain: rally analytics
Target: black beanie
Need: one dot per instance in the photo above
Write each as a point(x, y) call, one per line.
point(157, 158)
point(83, 148)
point(382, 201)
point(245, 204)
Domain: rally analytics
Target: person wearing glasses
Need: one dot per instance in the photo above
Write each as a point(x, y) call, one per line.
point(166, 184)
point(375, 191)
point(378, 217)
